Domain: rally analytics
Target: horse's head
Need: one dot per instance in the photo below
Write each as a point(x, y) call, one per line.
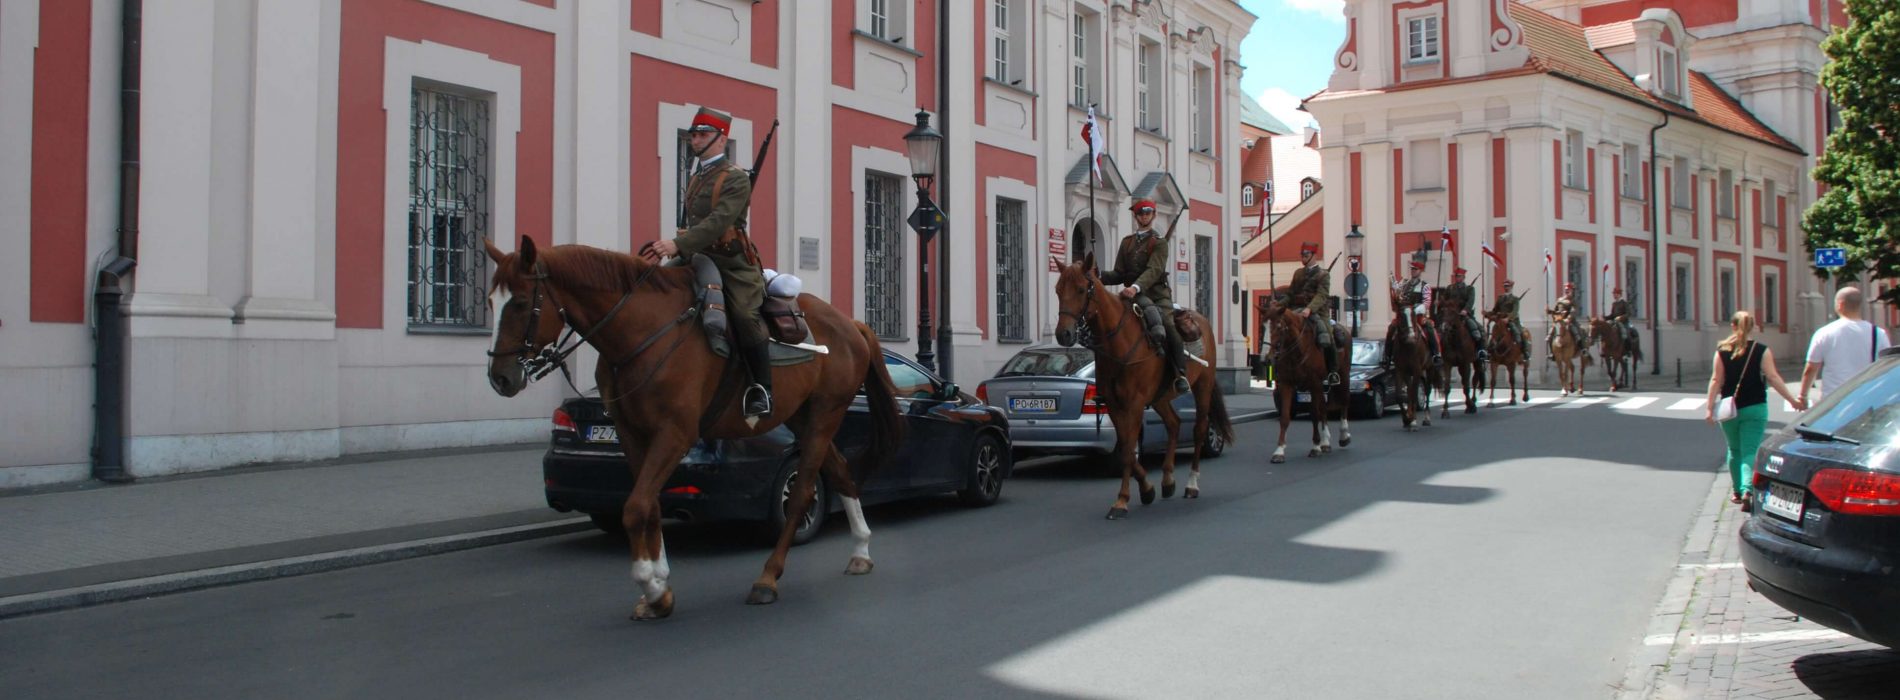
point(526, 322)
point(1075, 295)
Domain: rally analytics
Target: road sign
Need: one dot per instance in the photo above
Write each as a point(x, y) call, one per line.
point(926, 219)
point(1357, 284)
point(1830, 257)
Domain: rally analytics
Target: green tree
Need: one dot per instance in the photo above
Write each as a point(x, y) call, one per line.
point(1861, 165)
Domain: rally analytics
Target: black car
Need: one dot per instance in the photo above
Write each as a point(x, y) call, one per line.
point(953, 443)
point(1371, 385)
point(1823, 535)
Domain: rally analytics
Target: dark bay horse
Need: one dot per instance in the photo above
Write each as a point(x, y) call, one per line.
point(1619, 358)
point(1508, 352)
point(1130, 375)
point(1299, 366)
point(665, 389)
point(1460, 351)
point(1411, 365)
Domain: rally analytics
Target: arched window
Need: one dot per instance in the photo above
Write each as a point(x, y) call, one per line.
point(1307, 187)
point(1246, 196)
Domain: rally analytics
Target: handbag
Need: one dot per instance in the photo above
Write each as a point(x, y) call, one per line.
point(1725, 408)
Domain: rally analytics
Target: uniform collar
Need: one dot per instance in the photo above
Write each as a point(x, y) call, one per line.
point(706, 163)
point(1144, 233)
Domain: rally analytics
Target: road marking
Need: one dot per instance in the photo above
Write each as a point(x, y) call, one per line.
point(1580, 403)
point(1723, 565)
point(1540, 400)
point(1635, 403)
point(1687, 404)
point(1749, 637)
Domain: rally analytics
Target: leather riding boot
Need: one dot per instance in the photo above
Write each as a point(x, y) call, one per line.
point(758, 397)
point(1332, 365)
point(1177, 359)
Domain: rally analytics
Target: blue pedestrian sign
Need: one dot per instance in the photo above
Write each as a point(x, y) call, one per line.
point(1830, 257)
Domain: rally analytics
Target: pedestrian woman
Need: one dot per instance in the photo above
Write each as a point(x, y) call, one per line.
point(1743, 371)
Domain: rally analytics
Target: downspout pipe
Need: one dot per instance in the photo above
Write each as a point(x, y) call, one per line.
point(114, 277)
point(1656, 253)
point(945, 353)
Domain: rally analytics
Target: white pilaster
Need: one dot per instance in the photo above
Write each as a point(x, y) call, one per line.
point(601, 126)
point(1474, 207)
point(963, 201)
point(806, 155)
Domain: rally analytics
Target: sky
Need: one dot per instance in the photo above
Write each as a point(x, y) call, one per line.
point(1289, 53)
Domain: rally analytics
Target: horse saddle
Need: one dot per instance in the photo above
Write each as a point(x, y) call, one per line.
point(1184, 323)
point(711, 300)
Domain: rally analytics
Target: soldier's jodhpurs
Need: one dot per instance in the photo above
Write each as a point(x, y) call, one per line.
point(1158, 327)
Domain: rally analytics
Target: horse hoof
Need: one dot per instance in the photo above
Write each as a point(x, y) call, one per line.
point(762, 595)
point(1148, 496)
point(1471, 409)
point(644, 612)
point(1191, 492)
point(1167, 490)
point(1345, 440)
point(1117, 513)
point(1277, 459)
point(859, 566)
point(1313, 452)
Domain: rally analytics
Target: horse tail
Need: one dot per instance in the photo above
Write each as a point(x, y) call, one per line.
point(887, 422)
point(1223, 424)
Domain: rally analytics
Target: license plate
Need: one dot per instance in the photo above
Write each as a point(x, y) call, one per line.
point(602, 433)
point(1303, 397)
point(1027, 405)
point(1785, 501)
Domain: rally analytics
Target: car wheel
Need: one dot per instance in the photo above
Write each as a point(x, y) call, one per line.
point(1376, 397)
point(609, 523)
point(774, 523)
point(989, 460)
point(1215, 445)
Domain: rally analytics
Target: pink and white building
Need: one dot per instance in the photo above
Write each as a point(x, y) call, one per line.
point(318, 177)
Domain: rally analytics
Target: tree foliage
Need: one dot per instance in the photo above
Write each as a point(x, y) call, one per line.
point(1861, 164)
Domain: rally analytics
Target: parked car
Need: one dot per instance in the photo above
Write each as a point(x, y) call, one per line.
point(1372, 386)
point(953, 443)
point(1823, 535)
point(1048, 392)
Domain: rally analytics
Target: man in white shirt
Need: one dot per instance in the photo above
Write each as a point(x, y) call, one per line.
point(1842, 348)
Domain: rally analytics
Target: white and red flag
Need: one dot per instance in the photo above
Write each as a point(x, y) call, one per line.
point(1492, 255)
point(1549, 260)
point(1097, 143)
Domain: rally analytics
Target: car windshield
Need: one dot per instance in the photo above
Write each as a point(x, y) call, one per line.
point(1045, 363)
point(1866, 410)
point(1365, 352)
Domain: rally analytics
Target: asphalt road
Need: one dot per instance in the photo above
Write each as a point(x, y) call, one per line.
point(1515, 554)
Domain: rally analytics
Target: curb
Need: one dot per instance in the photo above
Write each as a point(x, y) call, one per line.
point(1650, 660)
point(117, 591)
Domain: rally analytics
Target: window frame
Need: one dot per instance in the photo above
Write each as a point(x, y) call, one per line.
point(1682, 292)
point(1770, 214)
point(896, 18)
point(1084, 54)
point(1669, 68)
point(1680, 194)
point(1770, 297)
point(1246, 195)
point(1633, 285)
point(1424, 39)
point(1147, 56)
point(885, 311)
point(1574, 155)
point(1012, 273)
point(1725, 193)
point(462, 302)
point(1632, 171)
point(1201, 109)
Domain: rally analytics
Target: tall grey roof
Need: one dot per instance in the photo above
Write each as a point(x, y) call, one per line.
point(1256, 116)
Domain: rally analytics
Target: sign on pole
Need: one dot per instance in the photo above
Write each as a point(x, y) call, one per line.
point(1825, 258)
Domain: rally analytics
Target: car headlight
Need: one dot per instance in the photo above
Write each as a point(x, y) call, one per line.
point(1363, 386)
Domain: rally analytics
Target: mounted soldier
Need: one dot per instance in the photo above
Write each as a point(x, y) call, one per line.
point(717, 196)
point(1310, 295)
point(1620, 315)
point(1412, 292)
point(1142, 265)
point(1506, 306)
point(1566, 306)
point(1467, 298)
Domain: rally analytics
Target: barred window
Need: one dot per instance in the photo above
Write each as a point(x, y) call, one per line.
point(1682, 293)
point(884, 255)
point(448, 209)
point(1633, 286)
point(1204, 273)
point(1012, 271)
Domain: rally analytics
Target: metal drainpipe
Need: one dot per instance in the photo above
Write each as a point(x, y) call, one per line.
point(1657, 256)
point(944, 285)
point(108, 296)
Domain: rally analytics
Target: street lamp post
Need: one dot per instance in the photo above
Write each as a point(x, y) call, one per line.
point(922, 144)
point(1356, 282)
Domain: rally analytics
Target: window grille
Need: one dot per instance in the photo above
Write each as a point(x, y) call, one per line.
point(1633, 286)
point(1682, 293)
point(884, 255)
point(1577, 272)
point(1012, 272)
point(1727, 292)
point(1770, 298)
point(448, 209)
point(1204, 271)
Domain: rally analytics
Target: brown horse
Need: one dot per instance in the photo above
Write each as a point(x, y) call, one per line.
point(1132, 376)
point(1460, 351)
point(1411, 365)
point(666, 389)
point(1298, 366)
point(1569, 354)
point(1509, 353)
point(1619, 357)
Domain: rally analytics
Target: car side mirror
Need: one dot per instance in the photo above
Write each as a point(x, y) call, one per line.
point(949, 392)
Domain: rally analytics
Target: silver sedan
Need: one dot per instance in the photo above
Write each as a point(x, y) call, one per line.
point(1049, 394)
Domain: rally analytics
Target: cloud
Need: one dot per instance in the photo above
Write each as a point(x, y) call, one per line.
point(1285, 106)
point(1331, 9)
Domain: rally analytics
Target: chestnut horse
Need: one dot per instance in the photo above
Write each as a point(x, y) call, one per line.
point(1298, 365)
point(1619, 357)
point(665, 389)
point(1509, 352)
point(1132, 376)
point(1412, 366)
point(1460, 351)
point(1569, 354)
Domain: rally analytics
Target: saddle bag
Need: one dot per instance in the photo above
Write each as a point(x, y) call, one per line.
point(784, 320)
point(1184, 323)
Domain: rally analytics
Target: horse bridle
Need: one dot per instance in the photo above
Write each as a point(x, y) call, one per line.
point(535, 365)
point(1085, 331)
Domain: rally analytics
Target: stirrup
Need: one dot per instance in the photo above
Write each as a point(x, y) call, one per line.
point(1181, 384)
point(1332, 379)
point(758, 401)
point(1438, 360)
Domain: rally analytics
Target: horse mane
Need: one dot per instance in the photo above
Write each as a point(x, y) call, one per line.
point(605, 270)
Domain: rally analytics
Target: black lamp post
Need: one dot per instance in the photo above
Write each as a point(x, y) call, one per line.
point(1355, 280)
point(922, 144)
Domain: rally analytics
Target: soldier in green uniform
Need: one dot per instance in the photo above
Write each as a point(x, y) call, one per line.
point(1620, 315)
point(1566, 305)
point(1142, 265)
point(716, 199)
point(1467, 296)
point(1506, 305)
point(1311, 294)
point(1411, 292)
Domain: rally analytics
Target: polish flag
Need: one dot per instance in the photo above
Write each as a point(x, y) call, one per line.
point(1496, 262)
point(1549, 260)
point(1097, 143)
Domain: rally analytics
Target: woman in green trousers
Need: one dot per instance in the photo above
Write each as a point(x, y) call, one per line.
point(1743, 370)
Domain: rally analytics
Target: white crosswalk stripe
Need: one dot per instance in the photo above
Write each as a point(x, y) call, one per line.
point(1580, 403)
point(1635, 403)
point(1687, 404)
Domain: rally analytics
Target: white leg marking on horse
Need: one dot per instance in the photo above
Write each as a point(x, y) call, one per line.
point(860, 530)
point(661, 572)
point(1194, 480)
point(1325, 435)
point(1279, 451)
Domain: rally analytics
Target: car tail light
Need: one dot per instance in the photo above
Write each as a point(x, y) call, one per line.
point(983, 393)
point(1759, 482)
point(1852, 492)
point(562, 421)
point(1089, 402)
point(683, 491)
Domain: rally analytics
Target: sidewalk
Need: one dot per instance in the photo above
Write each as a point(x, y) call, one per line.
point(1712, 637)
point(85, 544)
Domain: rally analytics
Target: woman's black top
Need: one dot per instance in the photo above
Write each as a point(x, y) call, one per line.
point(1749, 389)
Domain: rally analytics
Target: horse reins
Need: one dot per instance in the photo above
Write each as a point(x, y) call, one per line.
point(1085, 331)
point(536, 365)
